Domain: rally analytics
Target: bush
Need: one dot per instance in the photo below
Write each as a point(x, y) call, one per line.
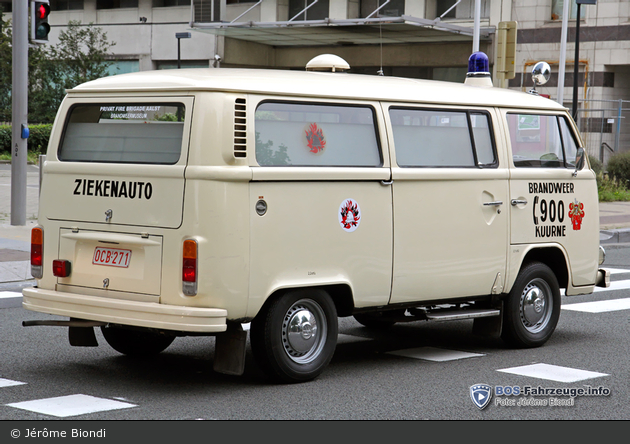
point(610, 189)
point(37, 139)
point(596, 165)
point(619, 168)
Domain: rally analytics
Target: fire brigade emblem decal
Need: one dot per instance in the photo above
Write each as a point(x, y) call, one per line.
point(576, 213)
point(349, 215)
point(315, 139)
point(481, 395)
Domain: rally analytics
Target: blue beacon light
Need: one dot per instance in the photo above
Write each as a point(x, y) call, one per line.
point(478, 64)
point(478, 70)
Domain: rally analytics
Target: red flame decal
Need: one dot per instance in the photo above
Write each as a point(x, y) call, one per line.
point(315, 139)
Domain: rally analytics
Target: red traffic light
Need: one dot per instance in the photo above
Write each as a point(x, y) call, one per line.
point(43, 10)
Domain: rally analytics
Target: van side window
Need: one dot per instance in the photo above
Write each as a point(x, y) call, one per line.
point(147, 133)
point(442, 138)
point(304, 134)
point(568, 140)
point(537, 141)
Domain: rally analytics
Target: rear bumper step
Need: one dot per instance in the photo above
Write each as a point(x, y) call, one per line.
point(140, 314)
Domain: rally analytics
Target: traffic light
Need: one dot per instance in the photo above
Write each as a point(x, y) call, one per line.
point(40, 10)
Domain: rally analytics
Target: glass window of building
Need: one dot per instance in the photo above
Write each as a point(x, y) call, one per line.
point(65, 5)
point(557, 8)
point(116, 4)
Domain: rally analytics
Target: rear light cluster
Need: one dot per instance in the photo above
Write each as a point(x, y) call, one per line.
point(61, 268)
point(189, 267)
point(37, 252)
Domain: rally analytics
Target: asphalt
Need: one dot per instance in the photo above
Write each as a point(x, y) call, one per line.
point(614, 219)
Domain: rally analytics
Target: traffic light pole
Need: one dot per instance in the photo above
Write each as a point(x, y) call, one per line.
point(19, 95)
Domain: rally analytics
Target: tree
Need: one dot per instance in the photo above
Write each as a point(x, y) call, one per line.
point(6, 62)
point(80, 56)
point(82, 51)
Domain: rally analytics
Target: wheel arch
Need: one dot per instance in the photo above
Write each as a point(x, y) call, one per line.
point(552, 256)
point(341, 295)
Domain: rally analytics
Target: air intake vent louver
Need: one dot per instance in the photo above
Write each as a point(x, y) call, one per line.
point(240, 129)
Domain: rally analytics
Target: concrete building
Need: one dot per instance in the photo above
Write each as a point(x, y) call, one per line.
point(412, 38)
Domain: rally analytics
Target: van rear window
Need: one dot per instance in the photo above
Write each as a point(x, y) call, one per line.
point(148, 133)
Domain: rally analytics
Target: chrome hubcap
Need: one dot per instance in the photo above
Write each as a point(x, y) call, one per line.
point(304, 331)
point(535, 305)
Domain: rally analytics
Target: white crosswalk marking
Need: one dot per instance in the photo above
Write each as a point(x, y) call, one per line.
point(9, 383)
point(614, 285)
point(553, 372)
point(72, 405)
point(600, 306)
point(434, 354)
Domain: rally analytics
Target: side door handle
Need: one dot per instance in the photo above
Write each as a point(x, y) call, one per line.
point(496, 203)
point(516, 202)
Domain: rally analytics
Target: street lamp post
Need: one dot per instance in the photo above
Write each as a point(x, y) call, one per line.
point(180, 36)
point(576, 62)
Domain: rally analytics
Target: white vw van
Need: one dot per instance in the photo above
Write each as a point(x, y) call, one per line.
point(189, 202)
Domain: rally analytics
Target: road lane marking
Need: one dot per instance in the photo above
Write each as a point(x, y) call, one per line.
point(9, 383)
point(434, 354)
point(71, 405)
point(600, 306)
point(614, 285)
point(10, 299)
point(553, 372)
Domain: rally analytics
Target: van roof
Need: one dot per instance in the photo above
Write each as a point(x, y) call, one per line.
point(313, 83)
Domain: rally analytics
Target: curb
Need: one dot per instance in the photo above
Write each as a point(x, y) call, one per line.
point(620, 236)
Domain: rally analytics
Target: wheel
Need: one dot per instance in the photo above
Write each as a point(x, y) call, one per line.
point(374, 320)
point(532, 308)
point(136, 342)
point(294, 337)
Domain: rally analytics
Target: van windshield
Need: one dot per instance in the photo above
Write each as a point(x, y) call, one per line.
point(148, 133)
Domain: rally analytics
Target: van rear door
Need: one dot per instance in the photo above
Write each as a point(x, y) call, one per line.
point(115, 180)
point(120, 162)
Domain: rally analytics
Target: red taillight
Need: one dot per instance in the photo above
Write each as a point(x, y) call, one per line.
point(37, 252)
point(37, 246)
point(61, 268)
point(189, 267)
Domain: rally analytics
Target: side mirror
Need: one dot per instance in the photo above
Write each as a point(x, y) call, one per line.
point(580, 159)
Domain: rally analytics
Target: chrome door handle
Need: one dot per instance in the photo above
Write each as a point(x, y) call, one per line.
point(386, 182)
point(519, 202)
point(496, 203)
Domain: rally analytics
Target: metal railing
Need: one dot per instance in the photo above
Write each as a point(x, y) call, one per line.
point(605, 127)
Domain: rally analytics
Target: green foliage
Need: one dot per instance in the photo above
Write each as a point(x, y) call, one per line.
point(610, 189)
point(37, 139)
point(80, 56)
point(619, 168)
point(82, 51)
point(596, 165)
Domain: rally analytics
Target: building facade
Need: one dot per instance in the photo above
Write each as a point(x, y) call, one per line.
point(411, 38)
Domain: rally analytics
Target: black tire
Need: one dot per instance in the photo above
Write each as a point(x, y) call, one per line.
point(293, 338)
point(136, 342)
point(532, 308)
point(374, 320)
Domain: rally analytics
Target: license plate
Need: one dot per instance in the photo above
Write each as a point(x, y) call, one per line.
point(111, 257)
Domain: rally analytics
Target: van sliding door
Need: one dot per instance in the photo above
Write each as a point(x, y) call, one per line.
point(450, 199)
